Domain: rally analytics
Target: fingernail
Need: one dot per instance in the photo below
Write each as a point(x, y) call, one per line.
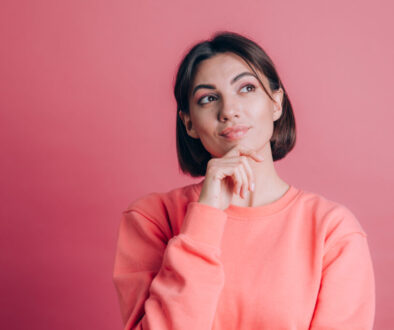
point(252, 186)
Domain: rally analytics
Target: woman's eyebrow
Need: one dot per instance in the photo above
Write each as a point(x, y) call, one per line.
point(239, 76)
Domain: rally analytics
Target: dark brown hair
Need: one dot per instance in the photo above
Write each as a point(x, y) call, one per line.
point(192, 156)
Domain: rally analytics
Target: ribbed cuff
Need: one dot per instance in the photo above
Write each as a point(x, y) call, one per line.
point(204, 223)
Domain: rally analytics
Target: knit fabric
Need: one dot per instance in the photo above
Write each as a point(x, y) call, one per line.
point(300, 262)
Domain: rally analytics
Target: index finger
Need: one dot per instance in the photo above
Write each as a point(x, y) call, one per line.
point(239, 150)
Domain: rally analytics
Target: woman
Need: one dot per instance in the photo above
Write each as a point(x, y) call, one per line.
point(242, 249)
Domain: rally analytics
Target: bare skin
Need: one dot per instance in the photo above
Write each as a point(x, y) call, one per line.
point(234, 164)
point(217, 190)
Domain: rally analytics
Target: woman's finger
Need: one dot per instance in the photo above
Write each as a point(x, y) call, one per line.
point(249, 172)
point(237, 180)
point(253, 154)
point(242, 170)
point(240, 150)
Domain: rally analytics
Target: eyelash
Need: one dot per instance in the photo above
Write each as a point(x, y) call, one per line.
point(199, 101)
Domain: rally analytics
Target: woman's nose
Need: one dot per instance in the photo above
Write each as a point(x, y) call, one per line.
point(228, 109)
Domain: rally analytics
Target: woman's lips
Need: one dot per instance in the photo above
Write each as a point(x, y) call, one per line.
point(236, 134)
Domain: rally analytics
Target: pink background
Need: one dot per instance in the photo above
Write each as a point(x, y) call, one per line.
point(88, 124)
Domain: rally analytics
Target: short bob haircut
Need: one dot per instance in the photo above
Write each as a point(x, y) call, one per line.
point(192, 156)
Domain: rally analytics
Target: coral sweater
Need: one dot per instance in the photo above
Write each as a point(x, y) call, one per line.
point(300, 262)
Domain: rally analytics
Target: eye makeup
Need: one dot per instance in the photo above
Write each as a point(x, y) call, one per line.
point(199, 99)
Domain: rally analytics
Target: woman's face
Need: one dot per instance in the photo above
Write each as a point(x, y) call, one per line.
point(226, 93)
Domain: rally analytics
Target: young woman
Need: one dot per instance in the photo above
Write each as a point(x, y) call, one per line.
point(242, 249)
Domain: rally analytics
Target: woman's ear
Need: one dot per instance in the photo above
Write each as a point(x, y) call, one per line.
point(278, 97)
point(185, 117)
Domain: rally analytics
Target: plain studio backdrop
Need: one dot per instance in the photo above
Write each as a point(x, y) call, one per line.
point(87, 125)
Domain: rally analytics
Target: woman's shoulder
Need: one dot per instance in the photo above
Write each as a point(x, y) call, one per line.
point(168, 207)
point(332, 215)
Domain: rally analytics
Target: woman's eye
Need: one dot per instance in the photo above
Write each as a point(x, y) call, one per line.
point(208, 96)
point(214, 97)
point(249, 85)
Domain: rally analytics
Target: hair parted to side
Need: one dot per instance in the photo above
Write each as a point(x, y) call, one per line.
point(192, 156)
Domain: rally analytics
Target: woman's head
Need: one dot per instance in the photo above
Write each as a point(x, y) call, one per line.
point(257, 100)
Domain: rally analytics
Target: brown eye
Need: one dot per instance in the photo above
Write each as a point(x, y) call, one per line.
point(249, 85)
point(199, 101)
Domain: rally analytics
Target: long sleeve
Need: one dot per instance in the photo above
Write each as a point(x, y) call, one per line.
point(346, 297)
point(170, 284)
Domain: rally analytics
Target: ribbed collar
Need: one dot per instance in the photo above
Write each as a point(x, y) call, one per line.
point(258, 211)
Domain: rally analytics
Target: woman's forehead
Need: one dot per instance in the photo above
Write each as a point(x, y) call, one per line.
point(225, 63)
point(223, 66)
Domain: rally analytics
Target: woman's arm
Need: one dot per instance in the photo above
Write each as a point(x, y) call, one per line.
point(346, 297)
point(174, 284)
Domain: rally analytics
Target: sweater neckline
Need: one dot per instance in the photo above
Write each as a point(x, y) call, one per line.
point(244, 212)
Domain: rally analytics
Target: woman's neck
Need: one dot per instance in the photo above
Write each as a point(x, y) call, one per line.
point(268, 185)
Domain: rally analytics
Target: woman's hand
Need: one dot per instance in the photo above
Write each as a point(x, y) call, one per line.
point(227, 175)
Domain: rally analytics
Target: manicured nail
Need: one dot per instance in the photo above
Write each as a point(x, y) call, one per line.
point(252, 187)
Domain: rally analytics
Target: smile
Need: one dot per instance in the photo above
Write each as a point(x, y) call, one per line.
point(236, 135)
